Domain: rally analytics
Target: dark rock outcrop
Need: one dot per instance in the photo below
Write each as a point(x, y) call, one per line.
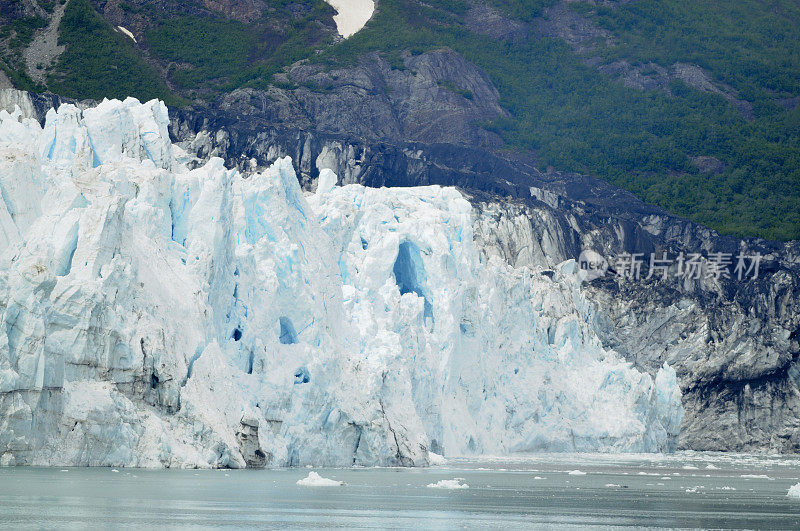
point(436, 97)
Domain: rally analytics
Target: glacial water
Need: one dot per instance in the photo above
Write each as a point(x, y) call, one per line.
point(685, 490)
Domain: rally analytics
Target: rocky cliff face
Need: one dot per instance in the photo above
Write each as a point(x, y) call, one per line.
point(436, 97)
point(734, 344)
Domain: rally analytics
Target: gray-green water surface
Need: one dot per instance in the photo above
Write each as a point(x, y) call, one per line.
point(686, 490)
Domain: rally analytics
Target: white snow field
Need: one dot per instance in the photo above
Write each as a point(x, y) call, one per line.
point(351, 15)
point(152, 315)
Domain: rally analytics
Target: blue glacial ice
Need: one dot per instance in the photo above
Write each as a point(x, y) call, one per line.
point(152, 315)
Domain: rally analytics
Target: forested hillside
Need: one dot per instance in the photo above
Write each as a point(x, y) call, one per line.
point(694, 105)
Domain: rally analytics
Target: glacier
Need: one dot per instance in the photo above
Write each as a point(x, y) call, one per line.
point(156, 312)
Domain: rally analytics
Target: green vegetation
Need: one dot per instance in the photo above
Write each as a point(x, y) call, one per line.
point(20, 78)
point(449, 85)
point(750, 44)
point(524, 10)
point(754, 47)
point(22, 30)
point(567, 113)
point(575, 118)
point(98, 62)
point(302, 38)
point(214, 48)
point(219, 54)
point(17, 34)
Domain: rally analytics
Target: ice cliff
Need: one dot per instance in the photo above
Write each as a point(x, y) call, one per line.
point(156, 315)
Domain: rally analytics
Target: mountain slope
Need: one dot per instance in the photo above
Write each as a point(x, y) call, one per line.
point(691, 105)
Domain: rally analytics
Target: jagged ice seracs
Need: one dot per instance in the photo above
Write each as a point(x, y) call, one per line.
point(155, 315)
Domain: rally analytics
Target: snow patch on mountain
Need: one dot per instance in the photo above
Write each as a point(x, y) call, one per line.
point(351, 15)
point(152, 315)
point(125, 31)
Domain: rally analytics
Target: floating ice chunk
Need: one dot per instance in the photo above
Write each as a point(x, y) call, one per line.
point(315, 480)
point(449, 484)
point(612, 485)
point(576, 473)
point(755, 476)
point(794, 491)
point(436, 459)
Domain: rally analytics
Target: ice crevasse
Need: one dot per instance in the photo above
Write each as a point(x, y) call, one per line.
point(153, 315)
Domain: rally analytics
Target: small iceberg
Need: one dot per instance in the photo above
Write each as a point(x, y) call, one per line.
point(436, 459)
point(449, 484)
point(315, 480)
point(794, 491)
point(576, 473)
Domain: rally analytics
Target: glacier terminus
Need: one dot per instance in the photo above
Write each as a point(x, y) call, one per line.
point(158, 313)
